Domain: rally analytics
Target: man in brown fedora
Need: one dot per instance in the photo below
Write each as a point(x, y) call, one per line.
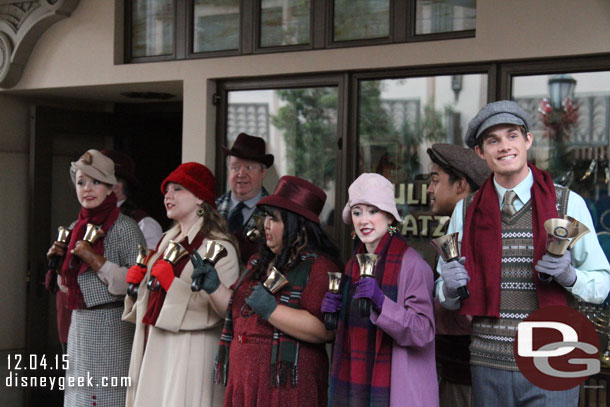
point(247, 165)
point(455, 173)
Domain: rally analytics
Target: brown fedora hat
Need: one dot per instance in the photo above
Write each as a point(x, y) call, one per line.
point(297, 195)
point(250, 148)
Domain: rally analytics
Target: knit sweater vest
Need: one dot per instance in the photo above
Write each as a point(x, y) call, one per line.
point(492, 339)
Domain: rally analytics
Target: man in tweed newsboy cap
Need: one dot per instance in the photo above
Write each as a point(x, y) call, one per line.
point(505, 266)
point(455, 173)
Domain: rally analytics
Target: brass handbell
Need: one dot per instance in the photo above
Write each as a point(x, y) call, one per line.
point(367, 262)
point(256, 233)
point(334, 286)
point(275, 281)
point(62, 237)
point(448, 248)
point(171, 254)
point(562, 234)
point(93, 233)
point(141, 260)
point(214, 251)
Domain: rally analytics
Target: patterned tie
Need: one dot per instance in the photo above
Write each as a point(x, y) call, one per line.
point(236, 218)
point(508, 208)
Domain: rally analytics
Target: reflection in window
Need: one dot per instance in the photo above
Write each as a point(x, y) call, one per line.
point(361, 19)
point(398, 120)
point(285, 22)
point(300, 128)
point(441, 16)
point(152, 28)
point(570, 123)
point(216, 25)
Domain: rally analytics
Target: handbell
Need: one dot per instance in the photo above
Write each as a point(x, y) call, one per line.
point(93, 233)
point(275, 281)
point(214, 251)
point(62, 237)
point(367, 262)
point(141, 260)
point(449, 249)
point(256, 233)
point(562, 234)
point(334, 286)
point(171, 254)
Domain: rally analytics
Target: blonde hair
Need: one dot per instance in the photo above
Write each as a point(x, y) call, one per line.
point(216, 227)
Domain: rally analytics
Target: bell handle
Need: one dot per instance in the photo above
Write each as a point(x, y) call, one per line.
point(153, 284)
point(364, 304)
point(463, 293)
point(330, 320)
point(132, 290)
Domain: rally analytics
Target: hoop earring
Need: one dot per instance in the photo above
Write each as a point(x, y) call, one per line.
point(200, 211)
point(392, 230)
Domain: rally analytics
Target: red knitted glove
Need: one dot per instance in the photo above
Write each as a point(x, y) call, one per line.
point(135, 274)
point(164, 272)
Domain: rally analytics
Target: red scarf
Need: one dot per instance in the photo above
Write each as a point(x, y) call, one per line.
point(482, 246)
point(362, 357)
point(157, 297)
point(103, 215)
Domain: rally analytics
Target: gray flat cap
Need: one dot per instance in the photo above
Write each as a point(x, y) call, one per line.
point(461, 160)
point(502, 112)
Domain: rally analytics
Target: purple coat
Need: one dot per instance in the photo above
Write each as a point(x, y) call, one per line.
point(410, 323)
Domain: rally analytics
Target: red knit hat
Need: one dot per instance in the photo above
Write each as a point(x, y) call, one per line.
point(297, 195)
point(195, 177)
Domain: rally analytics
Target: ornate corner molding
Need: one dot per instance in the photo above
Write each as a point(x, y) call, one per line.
point(22, 23)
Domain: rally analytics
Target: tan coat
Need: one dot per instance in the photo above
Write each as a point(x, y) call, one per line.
point(175, 367)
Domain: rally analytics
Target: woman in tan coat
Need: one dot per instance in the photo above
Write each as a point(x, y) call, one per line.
point(177, 330)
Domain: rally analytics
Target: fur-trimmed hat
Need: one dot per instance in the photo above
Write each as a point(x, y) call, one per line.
point(195, 177)
point(297, 195)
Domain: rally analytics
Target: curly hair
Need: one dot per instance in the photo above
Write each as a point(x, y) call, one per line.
point(215, 226)
point(300, 234)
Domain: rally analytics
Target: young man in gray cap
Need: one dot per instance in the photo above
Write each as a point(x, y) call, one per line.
point(455, 173)
point(247, 165)
point(503, 242)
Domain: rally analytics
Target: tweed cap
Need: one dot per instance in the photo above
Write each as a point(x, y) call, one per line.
point(502, 112)
point(96, 165)
point(462, 161)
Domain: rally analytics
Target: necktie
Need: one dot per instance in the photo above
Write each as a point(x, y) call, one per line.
point(508, 208)
point(236, 218)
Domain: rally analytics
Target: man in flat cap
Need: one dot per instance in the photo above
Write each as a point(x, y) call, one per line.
point(247, 165)
point(505, 266)
point(455, 173)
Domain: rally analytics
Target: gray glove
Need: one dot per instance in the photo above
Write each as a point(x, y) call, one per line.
point(560, 268)
point(262, 302)
point(454, 276)
point(204, 275)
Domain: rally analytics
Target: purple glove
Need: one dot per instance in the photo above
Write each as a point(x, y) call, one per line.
point(332, 302)
point(368, 288)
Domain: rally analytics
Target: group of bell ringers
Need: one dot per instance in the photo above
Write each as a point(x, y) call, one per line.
point(192, 326)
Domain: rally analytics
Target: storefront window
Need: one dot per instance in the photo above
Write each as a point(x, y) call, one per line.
point(216, 25)
point(152, 26)
point(398, 120)
point(441, 16)
point(285, 22)
point(361, 19)
point(300, 128)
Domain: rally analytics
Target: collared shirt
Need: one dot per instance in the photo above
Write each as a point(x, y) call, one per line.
point(151, 229)
point(250, 205)
point(592, 268)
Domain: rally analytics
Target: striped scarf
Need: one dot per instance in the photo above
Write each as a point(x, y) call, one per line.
point(362, 358)
point(285, 349)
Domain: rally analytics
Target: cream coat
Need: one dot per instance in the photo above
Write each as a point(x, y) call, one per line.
point(175, 367)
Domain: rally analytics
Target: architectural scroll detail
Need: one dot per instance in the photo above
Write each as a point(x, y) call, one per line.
point(22, 23)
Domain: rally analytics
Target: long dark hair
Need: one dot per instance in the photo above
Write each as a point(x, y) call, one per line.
point(300, 235)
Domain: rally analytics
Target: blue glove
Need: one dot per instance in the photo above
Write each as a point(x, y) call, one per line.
point(368, 288)
point(560, 268)
point(204, 275)
point(262, 302)
point(332, 302)
point(454, 276)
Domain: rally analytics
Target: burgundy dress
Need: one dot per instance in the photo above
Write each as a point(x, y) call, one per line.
point(249, 381)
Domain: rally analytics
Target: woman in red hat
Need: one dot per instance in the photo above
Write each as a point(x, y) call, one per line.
point(177, 330)
point(272, 349)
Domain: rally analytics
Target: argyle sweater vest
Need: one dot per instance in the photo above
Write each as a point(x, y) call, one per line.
point(492, 339)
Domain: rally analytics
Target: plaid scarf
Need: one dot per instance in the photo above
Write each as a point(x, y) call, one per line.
point(285, 349)
point(103, 215)
point(482, 246)
point(157, 297)
point(362, 358)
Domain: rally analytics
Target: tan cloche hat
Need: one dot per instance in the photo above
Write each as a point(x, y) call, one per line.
point(96, 165)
